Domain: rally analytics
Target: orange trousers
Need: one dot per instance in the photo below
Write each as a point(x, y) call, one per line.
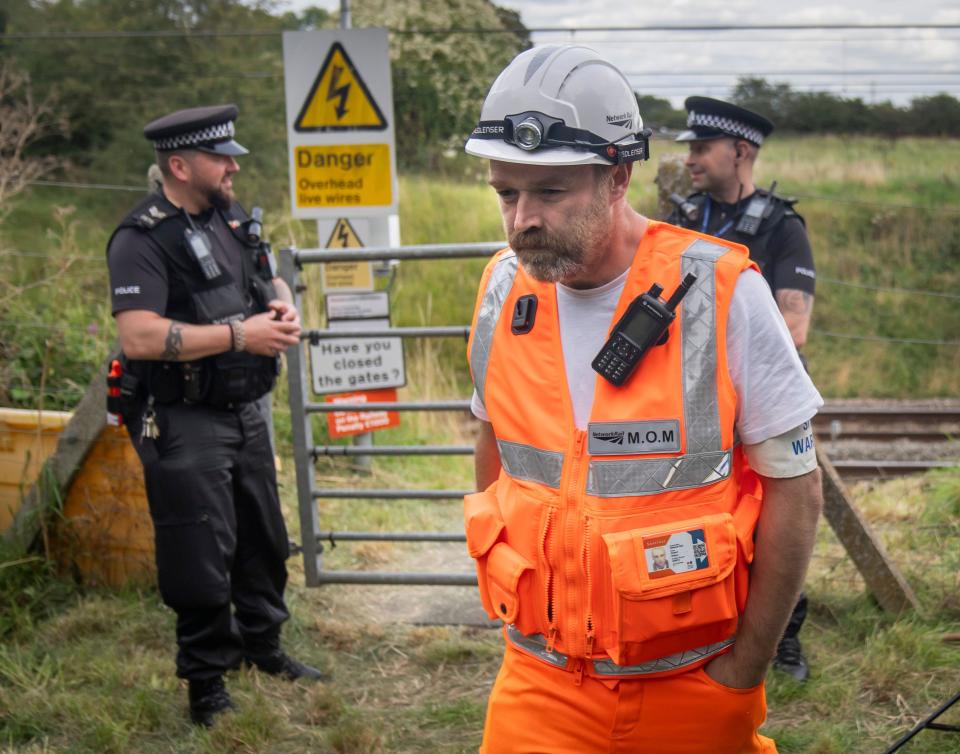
point(537, 709)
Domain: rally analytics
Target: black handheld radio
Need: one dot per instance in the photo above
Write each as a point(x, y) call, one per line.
point(643, 326)
point(758, 208)
point(199, 246)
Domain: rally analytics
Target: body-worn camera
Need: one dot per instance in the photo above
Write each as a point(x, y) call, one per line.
point(643, 326)
point(689, 210)
point(263, 259)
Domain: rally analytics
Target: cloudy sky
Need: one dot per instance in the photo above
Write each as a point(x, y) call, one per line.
point(874, 64)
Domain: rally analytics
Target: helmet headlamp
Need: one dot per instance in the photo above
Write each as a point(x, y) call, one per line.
point(528, 134)
point(531, 131)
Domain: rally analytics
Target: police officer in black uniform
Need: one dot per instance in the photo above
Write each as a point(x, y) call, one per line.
point(202, 319)
point(724, 141)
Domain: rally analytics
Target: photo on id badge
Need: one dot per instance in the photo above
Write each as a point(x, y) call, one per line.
point(679, 552)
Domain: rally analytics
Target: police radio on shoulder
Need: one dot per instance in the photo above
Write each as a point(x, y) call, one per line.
point(759, 208)
point(199, 246)
point(643, 326)
point(264, 261)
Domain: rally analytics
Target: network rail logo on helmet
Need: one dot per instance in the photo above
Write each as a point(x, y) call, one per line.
point(560, 105)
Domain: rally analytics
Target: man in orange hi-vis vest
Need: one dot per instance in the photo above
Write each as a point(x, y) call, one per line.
point(648, 486)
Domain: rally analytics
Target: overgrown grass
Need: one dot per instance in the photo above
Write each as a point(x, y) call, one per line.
point(92, 671)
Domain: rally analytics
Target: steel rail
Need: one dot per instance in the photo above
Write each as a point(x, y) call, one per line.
point(381, 494)
point(376, 253)
point(390, 450)
point(839, 421)
point(451, 405)
point(388, 536)
point(396, 578)
point(445, 331)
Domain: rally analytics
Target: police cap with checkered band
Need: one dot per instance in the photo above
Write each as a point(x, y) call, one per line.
point(709, 118)
point(209, 129)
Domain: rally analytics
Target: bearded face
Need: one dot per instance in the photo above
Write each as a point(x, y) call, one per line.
point(553, 254)
point(211, 177)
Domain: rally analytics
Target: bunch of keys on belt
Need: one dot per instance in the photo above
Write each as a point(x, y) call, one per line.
point(149, 429)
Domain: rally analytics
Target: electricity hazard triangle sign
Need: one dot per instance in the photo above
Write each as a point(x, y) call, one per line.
point(343, 236)
point(338, 99)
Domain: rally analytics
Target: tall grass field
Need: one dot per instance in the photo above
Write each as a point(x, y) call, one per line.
point(88, 670)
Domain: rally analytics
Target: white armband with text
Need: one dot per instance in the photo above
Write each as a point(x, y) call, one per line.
point(788, 455)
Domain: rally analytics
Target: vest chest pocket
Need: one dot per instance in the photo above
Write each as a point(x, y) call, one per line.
point(505, 577)
point(673, 586)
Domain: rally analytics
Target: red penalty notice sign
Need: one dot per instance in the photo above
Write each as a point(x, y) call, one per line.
point(347, 423)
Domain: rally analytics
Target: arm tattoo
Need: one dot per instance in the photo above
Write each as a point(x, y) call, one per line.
point(794, 301)
point(174, 343)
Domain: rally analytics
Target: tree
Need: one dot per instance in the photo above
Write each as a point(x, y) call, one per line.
point(24, 122)
point(936, 116)
point(440, 80)
point(757, 94)
point(659, 113)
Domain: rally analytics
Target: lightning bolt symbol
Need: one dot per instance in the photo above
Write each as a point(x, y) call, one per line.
point(334, 91)
point(342, 234)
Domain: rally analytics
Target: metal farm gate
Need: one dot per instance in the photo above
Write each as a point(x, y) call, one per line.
point(309, 495)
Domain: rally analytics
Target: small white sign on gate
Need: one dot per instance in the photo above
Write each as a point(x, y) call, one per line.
point(341, 365)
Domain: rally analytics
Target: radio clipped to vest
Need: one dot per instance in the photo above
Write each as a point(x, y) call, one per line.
point(643, 326)
point(758, 209)
point(199, 246)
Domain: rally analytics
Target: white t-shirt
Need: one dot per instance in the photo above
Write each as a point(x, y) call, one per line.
point(774, 393)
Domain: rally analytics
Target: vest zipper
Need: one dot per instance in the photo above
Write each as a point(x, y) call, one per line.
point(588, 576)
point(549, 595)
point(571, 527)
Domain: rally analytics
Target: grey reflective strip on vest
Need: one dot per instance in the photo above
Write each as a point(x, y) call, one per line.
point(705, 461)
point(498, 287)
point(536, 646)
point(636, 477)
point(532, 464)
point(676, 661)
point(699, 343)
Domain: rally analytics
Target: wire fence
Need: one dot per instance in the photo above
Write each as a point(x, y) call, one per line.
point(844, 59)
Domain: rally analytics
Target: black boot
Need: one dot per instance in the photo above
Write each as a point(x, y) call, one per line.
point(208, 698)
point(279, 663)
point(790, 657)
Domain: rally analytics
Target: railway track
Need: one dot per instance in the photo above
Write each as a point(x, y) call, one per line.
point(868, 439)
point(887, 422)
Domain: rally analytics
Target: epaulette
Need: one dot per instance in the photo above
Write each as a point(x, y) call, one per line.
point(150, 217)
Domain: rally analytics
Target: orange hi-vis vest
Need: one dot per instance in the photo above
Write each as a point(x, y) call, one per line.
point(624, 548)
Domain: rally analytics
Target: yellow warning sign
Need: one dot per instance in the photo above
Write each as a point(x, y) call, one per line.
point(338, 99)
point(343, 275)
point(352, 175)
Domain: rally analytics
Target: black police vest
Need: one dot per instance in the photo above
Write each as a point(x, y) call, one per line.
point(780, 210)
point(224, 379)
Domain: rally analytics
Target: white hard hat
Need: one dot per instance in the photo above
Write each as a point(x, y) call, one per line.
point(560, 105)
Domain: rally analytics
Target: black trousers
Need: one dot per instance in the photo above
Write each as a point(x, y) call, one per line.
point(220, 536)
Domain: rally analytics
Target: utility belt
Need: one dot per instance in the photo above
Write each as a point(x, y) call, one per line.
point(220, 381)
point(535, 645)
